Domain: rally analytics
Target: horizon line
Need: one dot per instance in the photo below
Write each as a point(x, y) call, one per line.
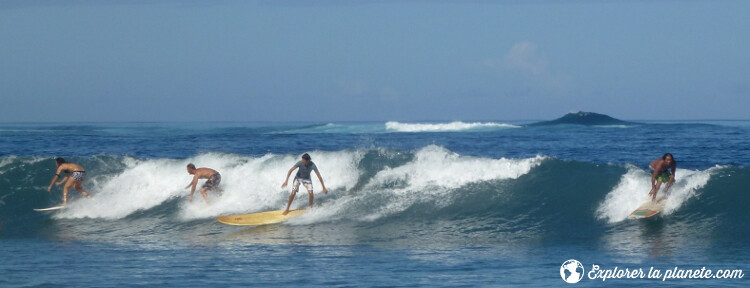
point(334, 121)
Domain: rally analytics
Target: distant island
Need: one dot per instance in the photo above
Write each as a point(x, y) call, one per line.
point(584, 118)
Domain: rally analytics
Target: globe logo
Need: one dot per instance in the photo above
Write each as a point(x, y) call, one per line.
point(571, 271)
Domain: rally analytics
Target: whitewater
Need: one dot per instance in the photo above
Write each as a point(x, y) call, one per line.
point(406, 201)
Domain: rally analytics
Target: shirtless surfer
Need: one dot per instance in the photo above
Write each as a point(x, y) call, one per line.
point(303, 177)
point(661, 173)
point(214, 178)
point(74, 176)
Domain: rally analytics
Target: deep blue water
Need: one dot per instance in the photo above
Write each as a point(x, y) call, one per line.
point(410, 204)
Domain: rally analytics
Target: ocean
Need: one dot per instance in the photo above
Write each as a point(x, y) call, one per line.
point(422, 204)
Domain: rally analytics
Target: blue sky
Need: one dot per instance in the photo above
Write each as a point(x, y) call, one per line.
point(372, 60)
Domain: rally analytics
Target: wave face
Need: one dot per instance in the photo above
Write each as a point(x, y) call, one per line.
point(466, 199)
point(620, 202)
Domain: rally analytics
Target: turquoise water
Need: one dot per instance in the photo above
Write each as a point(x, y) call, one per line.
point(410, 204)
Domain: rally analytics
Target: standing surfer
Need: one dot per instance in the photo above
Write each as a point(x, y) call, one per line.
point(662, 174)
point(303, 177)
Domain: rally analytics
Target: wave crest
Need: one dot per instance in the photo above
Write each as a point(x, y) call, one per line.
point(456, 126)
point(632, 191)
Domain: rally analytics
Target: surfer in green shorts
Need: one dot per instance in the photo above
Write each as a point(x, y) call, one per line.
point(306, 166)
point(662, 174)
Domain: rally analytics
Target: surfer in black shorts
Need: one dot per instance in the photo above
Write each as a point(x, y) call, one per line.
point(214, 179)
point(306, 166)
point(75, 174)
point(661, 174)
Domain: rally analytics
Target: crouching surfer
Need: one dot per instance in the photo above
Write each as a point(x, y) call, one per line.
point(212, 184)
point(74, 177)
point(661, 174)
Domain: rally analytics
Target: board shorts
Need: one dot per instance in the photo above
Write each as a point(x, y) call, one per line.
point(213, 182)
point(78, 175)
point(306, 182)
point(663, 176)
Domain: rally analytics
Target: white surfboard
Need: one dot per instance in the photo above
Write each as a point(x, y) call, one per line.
point(648, 209)
point(53, 208)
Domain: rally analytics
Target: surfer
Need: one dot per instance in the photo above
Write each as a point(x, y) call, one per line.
point(303, 177)
point(74, 176)
point(661, 173)
point(214, 179)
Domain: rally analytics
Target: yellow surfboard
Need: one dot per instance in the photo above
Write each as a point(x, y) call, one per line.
point(261, 218)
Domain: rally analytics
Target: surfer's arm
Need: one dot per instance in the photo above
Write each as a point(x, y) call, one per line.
point(674, 172)
point(192, 184)
point(57, 175)
point(325, 191)
point(671, 176)
point(287, 176)
point(63, 180)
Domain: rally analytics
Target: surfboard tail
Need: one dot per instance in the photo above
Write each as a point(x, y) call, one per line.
point(53, 208)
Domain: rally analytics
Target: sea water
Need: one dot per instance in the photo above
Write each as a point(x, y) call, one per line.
point(430, 204)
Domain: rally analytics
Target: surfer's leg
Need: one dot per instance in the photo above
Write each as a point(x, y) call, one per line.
point(291, 198)
point(79, 188)
point(309, 188)
point(310, 192)
point(205, 195)
point(288, 204)
point(669, 185)
point(71, 182)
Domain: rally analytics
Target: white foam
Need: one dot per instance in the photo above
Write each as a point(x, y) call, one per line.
point(249, 183)
point(252, 184)
point(444, 127)
point(6, 161)
point(633, 188)
point(12, 159)
point(433, 175)
point(143, 185)
point(256, 185)
point(612, 126)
